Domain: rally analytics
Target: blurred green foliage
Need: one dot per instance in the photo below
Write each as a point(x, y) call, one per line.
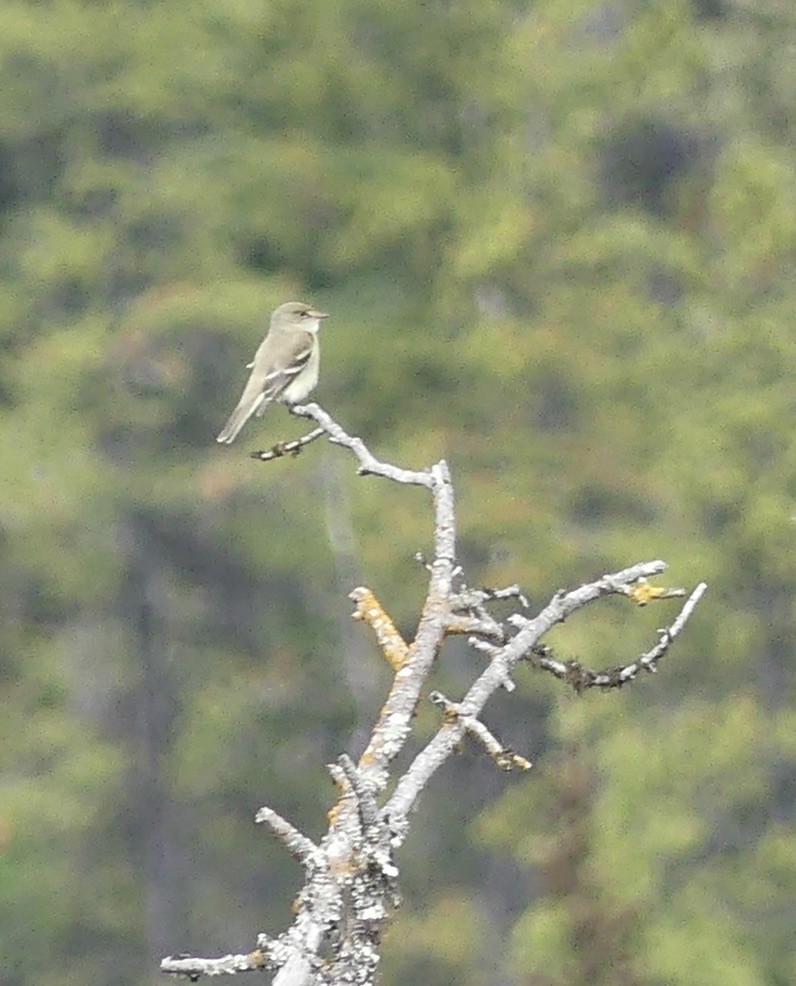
point(557, 239)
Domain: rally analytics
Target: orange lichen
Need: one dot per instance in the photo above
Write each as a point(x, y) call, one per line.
point(370, 610)
point(257, 959)
point(642, 592)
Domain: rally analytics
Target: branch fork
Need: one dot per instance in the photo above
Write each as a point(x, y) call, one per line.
point(504, 757)
point(351, 876)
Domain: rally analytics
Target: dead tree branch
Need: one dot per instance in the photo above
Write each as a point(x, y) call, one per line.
point(351, 874)
point(298, 845)
point(370, 610)
point(288, 448)
point(505, 758)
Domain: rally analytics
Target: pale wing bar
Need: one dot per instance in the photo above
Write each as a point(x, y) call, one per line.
point(277, 381)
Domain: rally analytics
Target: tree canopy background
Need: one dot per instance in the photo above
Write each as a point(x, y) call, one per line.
point(558, 241)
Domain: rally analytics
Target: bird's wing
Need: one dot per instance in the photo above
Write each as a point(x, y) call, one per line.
point(291, 363)
point(276, 363)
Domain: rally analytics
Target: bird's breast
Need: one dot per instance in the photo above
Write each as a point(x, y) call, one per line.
point(305, 381)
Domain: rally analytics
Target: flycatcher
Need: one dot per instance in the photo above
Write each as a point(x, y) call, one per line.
point(284, 368)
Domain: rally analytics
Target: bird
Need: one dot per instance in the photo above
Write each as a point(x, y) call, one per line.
point(284, 368)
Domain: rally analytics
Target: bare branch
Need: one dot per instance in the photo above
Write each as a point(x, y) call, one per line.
point(297, 844)
point(295, 954)
point(469, 614)
point(481, 626)
point(193, 967)
point(368, 809)
point(469, 598)
point(394, 723)
point(649, 659)
point(369, 465)
point(370, 610)
point(393, 727)
point(371, 888)
point(582, 677)
point(483, 645)
point(562, 605)
point(293, 447)
point(492, 651)
point(351, 876)
point(642, 592)
point(505, 758)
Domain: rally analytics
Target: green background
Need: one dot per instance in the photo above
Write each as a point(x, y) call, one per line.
point(557, 240)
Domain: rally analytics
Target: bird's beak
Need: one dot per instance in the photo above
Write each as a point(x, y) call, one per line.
point(313, 314)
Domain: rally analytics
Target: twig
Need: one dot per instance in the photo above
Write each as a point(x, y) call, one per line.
point(297, 844)
point(566, 602)
point(366, 802)
point(482, 626)
point(483, 645)
point(468, 598)
point(375, 846)
point(369, 465)
point(562, 605)
point(505, 758)
point(287, 448)
point(491, 650)
point(582, 677)
point(194, 966)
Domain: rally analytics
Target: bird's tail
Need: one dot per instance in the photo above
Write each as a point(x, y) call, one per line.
point(245, 409)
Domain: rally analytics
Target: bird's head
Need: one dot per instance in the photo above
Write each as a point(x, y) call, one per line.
point(297, 315)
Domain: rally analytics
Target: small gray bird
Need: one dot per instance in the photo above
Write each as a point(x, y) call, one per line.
point(284, 368)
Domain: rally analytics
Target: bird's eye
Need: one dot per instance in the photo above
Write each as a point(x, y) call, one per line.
point(303, 314)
